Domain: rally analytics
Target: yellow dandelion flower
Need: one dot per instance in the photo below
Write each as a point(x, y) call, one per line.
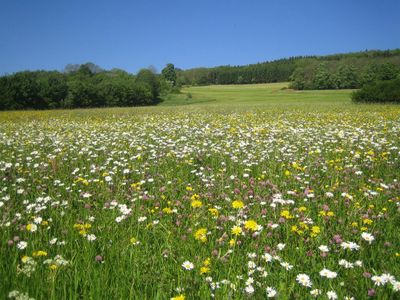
point(200, 235)
point(303, 225)
point(53, 266)
point(236, 230)
point(237, 204)
point(286, 214)
point(207, 262)
point(196, 204)
point(251, 225)
point(167, 210)
point(316, 229)
point(195, 197)
point(39, 253)
point(78, 226)
point(302, 208)
point(179, 297)
point(214, 212)
point(204, 270)
point(367, 221)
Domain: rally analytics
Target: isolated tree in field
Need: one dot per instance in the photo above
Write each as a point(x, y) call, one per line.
point(169, 73)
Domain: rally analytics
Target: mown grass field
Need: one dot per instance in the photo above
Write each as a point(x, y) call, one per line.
point(256, 95)
point(241, 192)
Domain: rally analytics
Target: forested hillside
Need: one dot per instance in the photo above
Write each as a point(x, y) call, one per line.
point(351, 70)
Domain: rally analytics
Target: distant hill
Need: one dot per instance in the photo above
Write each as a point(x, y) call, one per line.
point(349, 70)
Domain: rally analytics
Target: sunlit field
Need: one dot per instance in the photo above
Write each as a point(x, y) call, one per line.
point(238, 192)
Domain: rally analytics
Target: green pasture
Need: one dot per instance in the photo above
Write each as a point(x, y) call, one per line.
point(270, 94)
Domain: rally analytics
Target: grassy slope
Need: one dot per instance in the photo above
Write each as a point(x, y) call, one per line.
point(255, 94)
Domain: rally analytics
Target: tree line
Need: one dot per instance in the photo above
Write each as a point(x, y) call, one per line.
point(343, 75)
point(84, 85)
point(338, 71)
point(89, 85)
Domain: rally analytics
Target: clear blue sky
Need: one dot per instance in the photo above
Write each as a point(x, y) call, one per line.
point(48, 34)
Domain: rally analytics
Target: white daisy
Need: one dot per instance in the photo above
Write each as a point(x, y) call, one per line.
point(332, 295)
point(287, 266)
point(378, 280)
point(315, 293)
point(323, 248)
point(187, 265)
point(328, 273)
point(22, 245)
point(304, 280)
point(249, 289)
point(271, 292)
point(91, 237)
point(368, 237)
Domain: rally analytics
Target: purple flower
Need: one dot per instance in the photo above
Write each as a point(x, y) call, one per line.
point(371, 292)
point(367, 275)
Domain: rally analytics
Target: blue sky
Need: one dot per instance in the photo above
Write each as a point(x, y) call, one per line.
point(48, 34)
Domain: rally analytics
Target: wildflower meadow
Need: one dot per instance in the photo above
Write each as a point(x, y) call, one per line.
point(195, 203)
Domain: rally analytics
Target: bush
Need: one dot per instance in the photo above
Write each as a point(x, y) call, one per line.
point(379, 91)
